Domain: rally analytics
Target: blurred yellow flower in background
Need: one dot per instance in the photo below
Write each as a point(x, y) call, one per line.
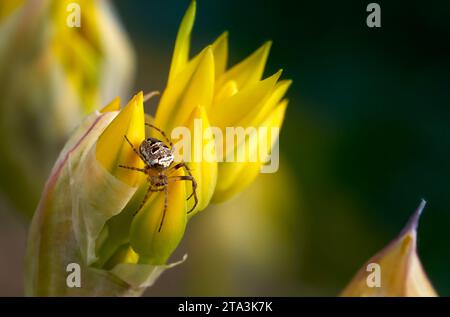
point(400, 272)
point(248, 246)
point(52, 75)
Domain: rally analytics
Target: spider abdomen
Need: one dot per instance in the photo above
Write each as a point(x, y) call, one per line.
point(156, 154)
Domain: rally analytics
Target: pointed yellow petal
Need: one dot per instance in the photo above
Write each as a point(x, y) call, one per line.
point(259, 114)
point(154, 246)
point(228, 90)
point(204, 168)
point(229, 112)
point(113, 150)
point(250, 70)
point(276, 117)
point(228, 184)
point(220, 51)
point(182, 44)
point(171, 95)
point(192, 88)
point(234, 177)
point(200, 90)
point(396, 270)
point(112, 106)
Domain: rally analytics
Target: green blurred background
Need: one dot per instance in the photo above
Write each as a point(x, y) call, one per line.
point(366, 136)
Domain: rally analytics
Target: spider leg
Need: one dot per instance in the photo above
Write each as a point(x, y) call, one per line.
point(166, 203)
point(194, 187)
point(150, 189)
point(188, 170)
point(176, 166)
point(142, 170)
point(162, 133)
point(134, 149)
point(150, 95)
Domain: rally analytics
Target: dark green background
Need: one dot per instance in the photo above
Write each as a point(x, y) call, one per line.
point(367, 131)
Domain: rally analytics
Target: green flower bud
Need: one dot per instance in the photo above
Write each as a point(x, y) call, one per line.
point(87, 209)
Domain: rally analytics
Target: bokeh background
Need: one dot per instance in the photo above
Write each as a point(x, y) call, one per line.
point(366, 136)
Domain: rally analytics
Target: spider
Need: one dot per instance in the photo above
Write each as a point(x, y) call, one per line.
point(158, 158)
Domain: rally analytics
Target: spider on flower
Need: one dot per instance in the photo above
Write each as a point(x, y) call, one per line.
point(158, 159)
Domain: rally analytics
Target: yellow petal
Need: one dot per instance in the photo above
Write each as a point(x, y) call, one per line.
point(228, 183)
point(113, 150)
point(259, 114)
point(226, 91)
point(170, 98)
point(396, 270)
point(182, 44)
point(234, 177)
point(112, 106)
point(250, 70)
point(200, 90)
point(204, 168)
point(193, 87)
point(220, 51)
point(155, 245)
point(229, 112)
point(124, 254)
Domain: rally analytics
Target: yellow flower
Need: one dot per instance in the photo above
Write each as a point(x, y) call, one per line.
point(396, 270)
point(87, 213)
point(98, 199)
point(235, 97)
point(52, 76)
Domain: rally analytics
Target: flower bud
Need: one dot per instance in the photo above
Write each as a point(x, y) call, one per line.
point(53, 74)
point(396, 270)
point(87, 213)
